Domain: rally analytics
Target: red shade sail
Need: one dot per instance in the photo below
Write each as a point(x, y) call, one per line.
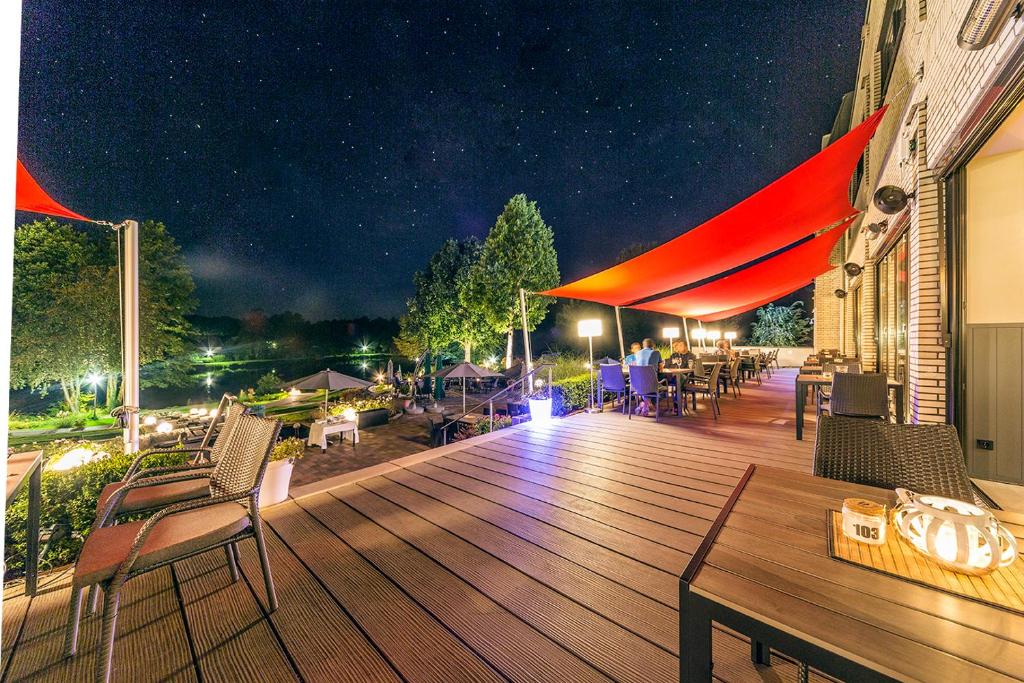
point(812, 196)
point(29, 196)
point(753, 286)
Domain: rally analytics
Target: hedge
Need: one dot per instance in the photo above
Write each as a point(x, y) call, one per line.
point(571, 394)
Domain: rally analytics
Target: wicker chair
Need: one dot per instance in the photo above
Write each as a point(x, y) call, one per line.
point(925, 458)
point(643, 383)
point(613, 381)
point(732, 376)
point(229, 513)
point(860, 395)
point(707, 385)
point(824, 393)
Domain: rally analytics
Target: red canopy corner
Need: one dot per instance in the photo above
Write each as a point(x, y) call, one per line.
point(29, 196)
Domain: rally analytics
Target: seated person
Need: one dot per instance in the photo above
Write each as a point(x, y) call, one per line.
point(634, 349)
point(724, 347)
point(681, 356)
point(649, 355)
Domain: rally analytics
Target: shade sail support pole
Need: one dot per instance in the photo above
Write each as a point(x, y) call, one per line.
point(618, 325)
point(527, 355)
point(130, 336)
point(686, 331)
point(701, 326)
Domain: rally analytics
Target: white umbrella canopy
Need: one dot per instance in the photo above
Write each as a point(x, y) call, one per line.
point(329, 381)
point(465, 369)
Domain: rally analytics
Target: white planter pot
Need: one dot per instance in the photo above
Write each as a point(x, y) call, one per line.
point(274, 489)
point(540, 410)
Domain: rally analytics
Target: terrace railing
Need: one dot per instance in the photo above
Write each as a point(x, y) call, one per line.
point(518, 384)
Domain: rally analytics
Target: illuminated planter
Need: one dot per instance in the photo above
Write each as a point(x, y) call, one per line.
point(276, 481)
point(957, 535)
point(540, 410)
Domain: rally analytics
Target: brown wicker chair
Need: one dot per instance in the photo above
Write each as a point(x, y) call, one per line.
point(229, 513)
point(860, 395)
point(925, 458)
point(707, 385)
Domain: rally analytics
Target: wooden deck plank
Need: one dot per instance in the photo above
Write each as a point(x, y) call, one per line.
point(633, 609)
point(393, 620)
point(605, 645)
point(232, 638)
point(15, 608)
point(149, 610)
point(520, 654)
point(324, 643)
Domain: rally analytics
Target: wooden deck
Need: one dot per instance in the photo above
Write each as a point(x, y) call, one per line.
point(544, 554)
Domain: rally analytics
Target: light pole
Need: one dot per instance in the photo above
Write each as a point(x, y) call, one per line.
point(671, 333)
point(699, 335)
point(590, 328)
point(714, 336)
point(730, 337)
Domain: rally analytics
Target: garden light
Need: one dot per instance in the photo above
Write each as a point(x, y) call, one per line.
point(294, 393)
point(164, 428)
point(714, 335)
point(75, 458)
point(213, 413)
point(589, 328)
point(149, 420)
point(208, 353)
point(202, 412)
point(730, 335)
point(349, 414)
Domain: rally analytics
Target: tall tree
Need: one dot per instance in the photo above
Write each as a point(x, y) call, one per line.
point(438, 313)
point(66, 312)
point(519, 253)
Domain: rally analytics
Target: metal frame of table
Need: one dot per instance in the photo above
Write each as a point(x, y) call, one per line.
point(819, 637)
point(22, 467)
point(804, 382)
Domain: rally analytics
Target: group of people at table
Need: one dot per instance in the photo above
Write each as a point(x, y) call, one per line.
point(645, 353)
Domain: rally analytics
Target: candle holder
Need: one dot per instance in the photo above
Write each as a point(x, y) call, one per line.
point(864, 521)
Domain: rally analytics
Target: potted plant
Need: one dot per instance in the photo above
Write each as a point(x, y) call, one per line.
point(278, 476)
point(540, 406)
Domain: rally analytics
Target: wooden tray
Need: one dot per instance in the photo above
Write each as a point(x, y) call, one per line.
point(1003, 588)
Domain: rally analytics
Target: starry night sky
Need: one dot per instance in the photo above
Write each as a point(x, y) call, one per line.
point(311, 155)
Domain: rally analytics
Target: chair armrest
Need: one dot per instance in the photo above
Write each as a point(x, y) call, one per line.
point(156, 471)
point(114, 503)
point(137, 463)
point(140, 538)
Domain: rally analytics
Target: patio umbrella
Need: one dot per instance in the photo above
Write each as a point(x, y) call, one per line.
point(465, 369)
point(329, 381)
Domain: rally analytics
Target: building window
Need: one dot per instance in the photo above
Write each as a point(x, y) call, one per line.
point(855, 295)
point(889, 41)
point(894, 310)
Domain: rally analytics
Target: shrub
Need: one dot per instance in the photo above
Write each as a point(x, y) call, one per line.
point(360, 400)
point(269, 383)
point(291, 448)
point(483, 427)
point(571, 394)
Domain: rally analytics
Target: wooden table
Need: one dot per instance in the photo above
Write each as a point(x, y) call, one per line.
point(22, 467)
point(804, 382)
point(680, 374)
point(764, 570)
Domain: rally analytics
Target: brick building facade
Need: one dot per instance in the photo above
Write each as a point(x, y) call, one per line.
point(943, 99)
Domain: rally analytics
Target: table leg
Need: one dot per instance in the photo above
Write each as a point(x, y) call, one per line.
point(694, 638)
point(760, 653)
point(32, 561)
point(801, 393)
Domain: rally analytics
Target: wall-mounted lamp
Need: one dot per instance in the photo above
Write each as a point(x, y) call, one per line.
point(840, 293)
point(891, 199)
point(853, 269)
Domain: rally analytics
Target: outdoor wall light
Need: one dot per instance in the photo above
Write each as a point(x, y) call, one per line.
point(853, 269)
point(957, 535)
point(875, 229)
point(983, 22)
point(840, 293)
point(891, 199)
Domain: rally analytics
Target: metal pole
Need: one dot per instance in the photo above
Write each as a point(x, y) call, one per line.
point(590, 341)
point(702, 346)
point(618, 324)
point(686, 330)
point(526, 330)
point(130, 341)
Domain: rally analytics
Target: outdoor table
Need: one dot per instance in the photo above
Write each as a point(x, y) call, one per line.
point(764, 570)
point(320, 430)
point(681, 374)
point(803, 382)
point(811, 369)
point(22, 467)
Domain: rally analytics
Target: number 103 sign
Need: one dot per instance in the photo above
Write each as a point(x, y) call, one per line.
point(864, 521)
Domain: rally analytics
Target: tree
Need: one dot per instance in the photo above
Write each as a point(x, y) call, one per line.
point(438, 315)
point(781, 326)
point(65, 305)
point(519, 253)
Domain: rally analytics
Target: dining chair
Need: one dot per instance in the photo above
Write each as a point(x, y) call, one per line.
point(864, 395)
point(613, 381)
point(707, 385)
point(112, 555)
point(925, 458)
point(732, 376)
point(644, 384)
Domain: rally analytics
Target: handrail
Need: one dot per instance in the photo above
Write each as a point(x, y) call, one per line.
point(490, 399)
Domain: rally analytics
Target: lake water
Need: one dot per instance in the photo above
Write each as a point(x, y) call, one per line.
point(208, 383)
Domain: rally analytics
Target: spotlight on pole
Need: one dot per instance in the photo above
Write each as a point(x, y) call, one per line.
point(590, 328)
point(671, 333)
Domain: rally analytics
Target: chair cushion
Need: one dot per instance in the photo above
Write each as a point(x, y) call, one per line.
point(158, 496)
point(173, 536)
